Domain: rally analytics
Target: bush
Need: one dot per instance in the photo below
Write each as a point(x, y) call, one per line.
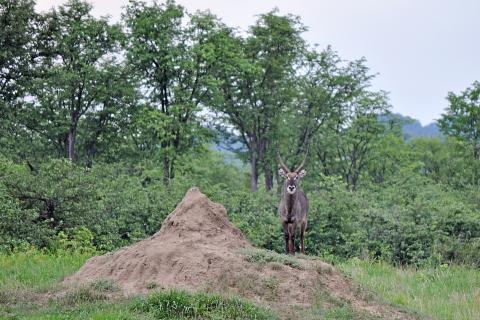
point(80, 242)
point(176, 304)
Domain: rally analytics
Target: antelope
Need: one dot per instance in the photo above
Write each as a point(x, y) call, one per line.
point(293, 206)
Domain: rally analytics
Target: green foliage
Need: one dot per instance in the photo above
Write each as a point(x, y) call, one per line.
point(407, 220)
point(82, 242)
point(37, 270)
point(462, 117)
point(255, 91)
point(135, 107)
point(173, 62)
point(443, 292)
point(175, 304)
point(256, 216)
point(265, 256)
point(104, 285)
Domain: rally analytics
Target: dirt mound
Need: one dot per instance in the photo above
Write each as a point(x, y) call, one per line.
point(198, 248)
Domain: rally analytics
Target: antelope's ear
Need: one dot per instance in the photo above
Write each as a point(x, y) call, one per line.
point(302, 173)
point(282, 173)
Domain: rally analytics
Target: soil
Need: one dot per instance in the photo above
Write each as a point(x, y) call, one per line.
point(198, 248)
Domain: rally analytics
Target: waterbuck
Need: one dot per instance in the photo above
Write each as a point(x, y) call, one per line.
point(293, 207)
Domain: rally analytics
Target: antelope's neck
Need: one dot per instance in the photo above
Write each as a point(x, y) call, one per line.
point(289, 202)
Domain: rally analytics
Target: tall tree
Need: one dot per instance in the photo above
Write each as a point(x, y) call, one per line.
point(17, 25)
point(462, 117)
point(74, 76)
point(104, 131)
point(343, 145)
point(174, 60)
point(258, 84)
point(323, 87)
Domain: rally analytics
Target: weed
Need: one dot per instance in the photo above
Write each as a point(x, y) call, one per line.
point(323, 269)
point(272, 285)
point(105, 285)
point(262, 256)
point(36, 270)
point(151, 285)
point(276, 266)
point(175, 304)
point(81, 295)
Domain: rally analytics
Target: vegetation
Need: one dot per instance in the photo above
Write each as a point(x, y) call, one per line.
point(442, 292)
point(24, 277)
point(265, 256)
point(37, 271)
point(182, 305)
point(104, 127)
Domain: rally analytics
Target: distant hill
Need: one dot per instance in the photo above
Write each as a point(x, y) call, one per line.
point(412, 128)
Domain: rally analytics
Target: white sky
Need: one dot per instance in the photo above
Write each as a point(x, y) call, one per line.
point(421, 48)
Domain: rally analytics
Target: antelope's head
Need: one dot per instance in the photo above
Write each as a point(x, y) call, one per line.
point(291, 177)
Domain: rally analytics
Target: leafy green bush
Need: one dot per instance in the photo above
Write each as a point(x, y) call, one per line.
point(176, 304)
point(81, 242)
point(408, 219)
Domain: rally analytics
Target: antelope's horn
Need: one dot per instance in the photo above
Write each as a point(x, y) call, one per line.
point(300, 167)
point(282, 164)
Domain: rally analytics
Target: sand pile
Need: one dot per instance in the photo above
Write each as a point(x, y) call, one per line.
point(198, 248)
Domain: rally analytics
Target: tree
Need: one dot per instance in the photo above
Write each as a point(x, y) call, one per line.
point(17, 22)
point(104, 131)
point(344, 143)
point(324, 87)
point(74, 77)
point(462, 117)
point(173, 60)
point(257, 84)
point(17, 51)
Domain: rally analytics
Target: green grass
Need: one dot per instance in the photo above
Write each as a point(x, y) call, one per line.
point(328, 307)
point(25, 277)
point(36, 270)
point(441, 293)
point(446, 292)
point(86, 303)
point(175, 304)
point(262, 256)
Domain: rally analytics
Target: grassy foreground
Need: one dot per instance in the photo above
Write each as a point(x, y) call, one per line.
point(36, 270)
point(445, 292)
point(26, 277)
point(441, 293)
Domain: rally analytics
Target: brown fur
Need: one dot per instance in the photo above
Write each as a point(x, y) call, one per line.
point(293, 207)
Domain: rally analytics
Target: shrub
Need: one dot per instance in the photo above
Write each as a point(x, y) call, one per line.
point(176, 304)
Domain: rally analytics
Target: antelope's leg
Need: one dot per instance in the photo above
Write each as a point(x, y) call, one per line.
point(303, 226)
point(285, 234)
point(291, 232)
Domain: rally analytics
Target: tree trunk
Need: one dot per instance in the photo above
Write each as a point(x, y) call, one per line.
point(254, 172)
point(268, 176)
point(72, 136)
point(166, 170)
point(263, 159)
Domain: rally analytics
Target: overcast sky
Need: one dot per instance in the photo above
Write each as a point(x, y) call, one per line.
point(421, 49)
